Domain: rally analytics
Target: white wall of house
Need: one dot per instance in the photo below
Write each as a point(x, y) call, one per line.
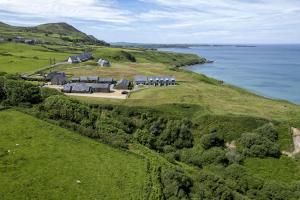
point(70, 60)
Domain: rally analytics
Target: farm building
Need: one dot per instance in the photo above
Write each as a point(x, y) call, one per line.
point(86, 88)
point(103, 63)
point(155, 80)
point(77, 88)
point(75, 80)
point(99, 87)
point(57, 78)
point(106, 80)
point(141, 80)
point(93, 79)
point(74, 59)
point(122, 84)
point(80, 58)
point(30, 41)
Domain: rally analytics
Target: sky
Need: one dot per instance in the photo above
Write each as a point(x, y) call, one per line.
point(166, 21)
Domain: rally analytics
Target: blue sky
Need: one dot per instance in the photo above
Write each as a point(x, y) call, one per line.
point(166, 21)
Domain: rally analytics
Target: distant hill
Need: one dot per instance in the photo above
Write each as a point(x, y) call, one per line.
point(58, 33)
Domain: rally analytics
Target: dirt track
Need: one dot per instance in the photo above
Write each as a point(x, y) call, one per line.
point(115, 94)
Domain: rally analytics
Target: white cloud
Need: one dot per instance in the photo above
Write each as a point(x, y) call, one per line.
point(198, 21)
point(79, 9)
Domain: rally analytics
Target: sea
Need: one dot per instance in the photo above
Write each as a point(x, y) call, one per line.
point(272, 71)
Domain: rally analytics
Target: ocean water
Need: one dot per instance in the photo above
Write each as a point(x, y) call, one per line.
point(268, 70)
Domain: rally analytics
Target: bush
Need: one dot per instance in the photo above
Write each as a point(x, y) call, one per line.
point(176, 185)
point(177, 134)
point(2, 91)
point(255, 145)
point(20, 92)
point(211, 140)
point(145, 138)
point(47, 92)
point(268, 131)
point(214, 155)
point(211, 186)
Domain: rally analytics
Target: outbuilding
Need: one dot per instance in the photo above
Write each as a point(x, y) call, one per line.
point(99, 87)
point(141, 80)
point(77, 88)
point(103, 63)
point(80, 58)
point(122, 84)
point(106, 80)
point(56, 78)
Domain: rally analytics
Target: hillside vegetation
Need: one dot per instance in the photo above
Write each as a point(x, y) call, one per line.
point(42, 161)
point(199, 139)
point(52, 33)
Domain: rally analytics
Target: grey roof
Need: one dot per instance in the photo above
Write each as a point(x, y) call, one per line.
point(67, 88)
point(93, 78)
point(106, 80)
point(103, 62)
point(77, 87)
point(85, 56)
point(82, 57)
point(99, 85)
point(154, 78)
point(75, 79)
point(75, 58)
point(140, 78)
point(51, 75)
point(123, 83)
point(84, 78)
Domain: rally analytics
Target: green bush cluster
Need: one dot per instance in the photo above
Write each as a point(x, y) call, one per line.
point(18, 92)
point(165, 135)
point(260, 143)
point(176, 185)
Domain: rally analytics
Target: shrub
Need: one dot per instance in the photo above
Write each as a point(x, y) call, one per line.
point(2, 91)
point(19, 92)
point(255, 145)
point(268, 131)
point(215, 155)
point(211, 186)
point(145, 138)
point(176, 185)
point(47, 92)
point(211, 140)
point(177, 134)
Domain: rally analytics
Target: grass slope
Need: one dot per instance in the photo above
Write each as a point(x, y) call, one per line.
point(49, 160)
point(20, 58)
point(56, 33)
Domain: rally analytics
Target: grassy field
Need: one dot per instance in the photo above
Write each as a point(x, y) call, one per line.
point(284, 170)
point(20, 58)
point(42, 161)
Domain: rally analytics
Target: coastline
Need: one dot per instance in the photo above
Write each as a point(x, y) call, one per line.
point(257, 70)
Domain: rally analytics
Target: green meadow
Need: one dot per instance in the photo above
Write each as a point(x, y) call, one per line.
point(42, 161)
point(22, 58)
point(39, 160)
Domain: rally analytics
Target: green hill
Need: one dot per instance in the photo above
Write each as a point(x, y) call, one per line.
point(42, 161)
point(55, 33)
